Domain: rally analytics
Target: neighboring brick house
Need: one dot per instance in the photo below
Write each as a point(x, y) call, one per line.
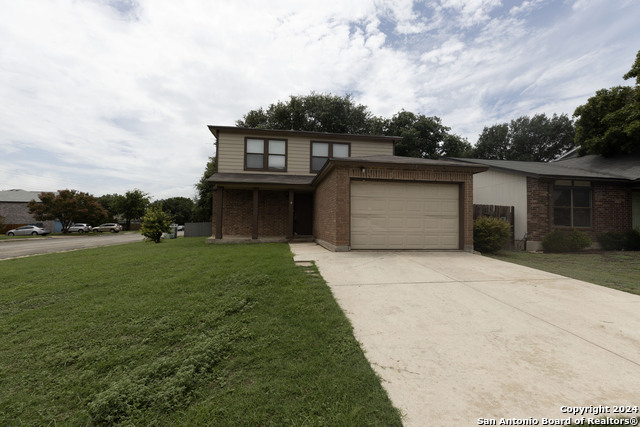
point(591, 193)
point(13, 207)
point(343, 191)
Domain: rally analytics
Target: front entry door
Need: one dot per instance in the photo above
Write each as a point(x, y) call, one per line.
point(303, 214)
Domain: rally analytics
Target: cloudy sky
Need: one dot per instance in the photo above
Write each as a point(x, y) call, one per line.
point(105, 96)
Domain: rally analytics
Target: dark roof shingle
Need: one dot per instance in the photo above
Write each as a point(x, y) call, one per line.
point(559, 169)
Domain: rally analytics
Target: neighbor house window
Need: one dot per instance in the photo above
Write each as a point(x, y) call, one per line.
point(572, 203)
point(323, 151)
point(266, 154)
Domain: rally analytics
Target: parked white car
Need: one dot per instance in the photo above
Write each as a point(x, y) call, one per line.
point(28, 230)
point(110, 226)
point(79, 228)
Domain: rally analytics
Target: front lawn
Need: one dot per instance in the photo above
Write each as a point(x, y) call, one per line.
point(5, 237)
point(179, 333)
point(617, 270)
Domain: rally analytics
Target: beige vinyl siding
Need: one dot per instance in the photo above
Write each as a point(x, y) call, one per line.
point(299, 156)
point(231, 153)
point(363, 148)
point(503, 189)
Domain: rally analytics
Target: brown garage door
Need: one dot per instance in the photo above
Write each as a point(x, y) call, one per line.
point(394, 215)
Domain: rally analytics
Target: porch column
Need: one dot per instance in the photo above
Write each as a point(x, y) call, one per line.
point(462, 220)
point(218, 201)
point(254, 234)
point(291, 215)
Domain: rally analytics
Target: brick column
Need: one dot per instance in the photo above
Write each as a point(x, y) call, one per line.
point(254, 232)
point(218, 201)
point(291, 214)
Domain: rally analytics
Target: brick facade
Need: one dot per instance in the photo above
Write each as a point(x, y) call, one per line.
point(332, 216)
point(325, 209)
point(611, 208)
point(332, 203)
point(237, 213)
point(539, 212)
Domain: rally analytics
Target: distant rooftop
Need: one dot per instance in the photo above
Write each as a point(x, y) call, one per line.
point(625, 166)
point(593, 167)
point(19, 196)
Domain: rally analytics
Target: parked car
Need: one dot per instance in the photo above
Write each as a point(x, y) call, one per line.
point(181, 228)
point(110, 226)
point(28, 230)
point(79, 228)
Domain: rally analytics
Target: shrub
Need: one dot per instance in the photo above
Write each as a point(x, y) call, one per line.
point(155, 223)
point(612, 241)
point(490, 234)
point(632, 240)
point(562, 241)
point(616, 241)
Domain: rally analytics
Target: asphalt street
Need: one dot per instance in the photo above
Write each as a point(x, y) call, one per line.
point(45, 245)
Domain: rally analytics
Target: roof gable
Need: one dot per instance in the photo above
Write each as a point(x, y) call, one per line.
point(19, 196)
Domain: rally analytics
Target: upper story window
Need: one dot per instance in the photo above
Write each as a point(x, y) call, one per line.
point(323, 151)
point(263, 154)
point(572, 203)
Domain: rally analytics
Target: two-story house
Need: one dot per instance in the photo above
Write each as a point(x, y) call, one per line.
point(344, 191)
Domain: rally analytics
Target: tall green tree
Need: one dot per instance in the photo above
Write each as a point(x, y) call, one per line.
point(634, 71)
point(316, 112)
point(609, 123)
point(68, 207)
point(455, 146)
point(180, 208)
point(111, 203)
point(421, 135)
point(493, 142)
point(132, 206)
point(203, 208)
point(538, 139)
point(424, 137)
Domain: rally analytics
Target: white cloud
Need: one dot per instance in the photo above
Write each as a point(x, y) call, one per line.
point(471, 12)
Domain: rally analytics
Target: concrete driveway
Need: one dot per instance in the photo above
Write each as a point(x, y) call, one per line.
point(460, 339)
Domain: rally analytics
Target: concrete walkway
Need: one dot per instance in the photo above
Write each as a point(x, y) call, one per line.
point(460, 339)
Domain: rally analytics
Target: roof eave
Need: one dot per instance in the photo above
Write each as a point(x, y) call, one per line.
point(215, 130)
point(332, 163)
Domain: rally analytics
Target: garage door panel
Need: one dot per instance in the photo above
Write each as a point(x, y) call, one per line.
point(391, 215)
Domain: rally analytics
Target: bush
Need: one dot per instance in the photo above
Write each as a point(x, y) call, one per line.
point(155, 223)
point(563, 241)
point(632, 242)
point(490, 234)
point(612, 241)
point(615, 241)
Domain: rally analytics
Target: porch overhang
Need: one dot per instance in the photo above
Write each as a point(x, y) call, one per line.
point(262, 181)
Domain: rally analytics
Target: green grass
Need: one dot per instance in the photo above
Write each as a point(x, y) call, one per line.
point(5, 237)
point(617, 270)
point(179, 333)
